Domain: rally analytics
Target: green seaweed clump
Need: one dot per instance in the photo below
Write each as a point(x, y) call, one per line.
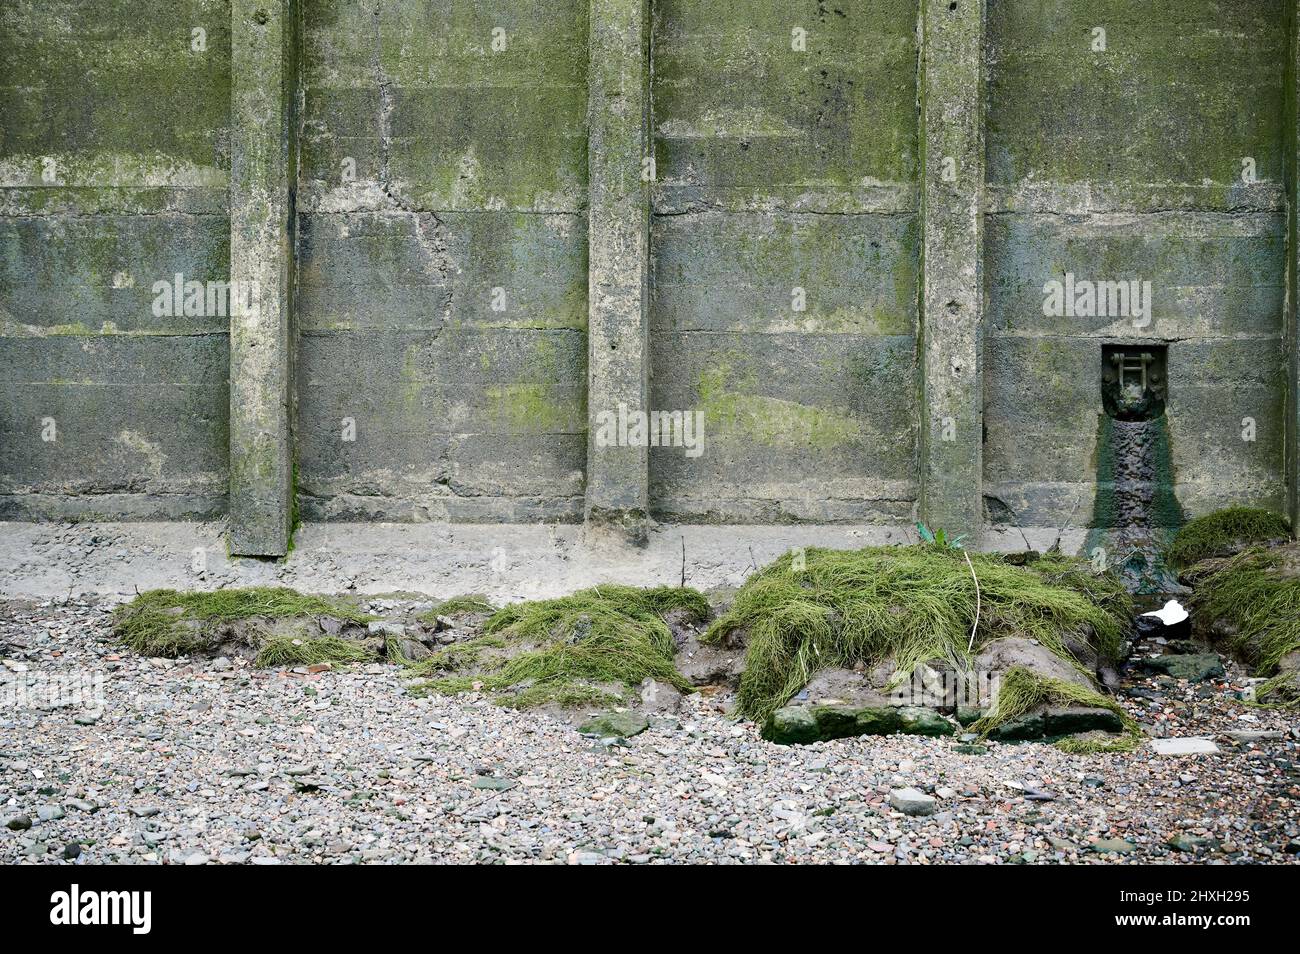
point(1023, 690)
point(1282, 691)
point(582, 649)
point(817, 608)
point(1256, 593)
point(1220, 533)
point(290, 651)
point(172, 623)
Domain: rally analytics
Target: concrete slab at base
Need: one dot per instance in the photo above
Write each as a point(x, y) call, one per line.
point(503, 561)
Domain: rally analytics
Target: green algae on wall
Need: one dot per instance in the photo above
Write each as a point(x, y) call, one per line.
point(777, 168)
point(733, 410)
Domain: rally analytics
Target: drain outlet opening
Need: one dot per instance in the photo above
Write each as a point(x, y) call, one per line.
point(1134, 381)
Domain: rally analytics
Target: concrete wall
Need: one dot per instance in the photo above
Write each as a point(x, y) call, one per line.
point(1127, 163)
point(802, 248)
point(440, 176)
point(114, 162)
point(785, 174)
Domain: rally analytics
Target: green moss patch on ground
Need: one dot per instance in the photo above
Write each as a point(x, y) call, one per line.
point(468, 605)
point(820, 608)
point(1224, 532)
point(1255, 596)
point(1022, 691)
point(172, 623)
point(1281, 691)
point(589, 648)
point(292, 651)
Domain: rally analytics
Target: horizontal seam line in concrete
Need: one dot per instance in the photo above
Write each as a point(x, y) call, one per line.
point(660, 213)
point(659, 329)
point(121, 334)
point(421, 210)
point(1153, 339)
point(1233, 211)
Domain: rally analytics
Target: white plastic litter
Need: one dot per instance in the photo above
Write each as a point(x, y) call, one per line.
point(1172, 612)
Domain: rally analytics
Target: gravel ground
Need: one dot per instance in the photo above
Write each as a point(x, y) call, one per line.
point(211, 762)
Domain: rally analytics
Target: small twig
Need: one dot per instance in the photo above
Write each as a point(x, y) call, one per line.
point(1056, 545)
point(1019, 528)
point(1132, 552)
point(683, 561)
point(971, 647)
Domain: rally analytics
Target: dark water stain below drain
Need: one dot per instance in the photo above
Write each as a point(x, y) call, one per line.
point(1136, 512)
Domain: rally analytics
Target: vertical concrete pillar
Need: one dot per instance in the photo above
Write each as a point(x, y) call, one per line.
point(618, 116)
point(1292, 316)
point(262, 167)
point(952, 37)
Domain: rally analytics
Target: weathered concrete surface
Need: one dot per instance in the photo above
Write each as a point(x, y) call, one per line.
point(1115, 124)
point(506, 562)
point(114, 142)
point(798, 427)
point(1217, 301)
point(263, 157)
point(785, 246)
point(444, 106)
point(773, 106)
point(442, 262)
point(134, 425)
point(429, 444)
point(618, 236)
point(1095, 168)
point(952, 47)
point(503, 561)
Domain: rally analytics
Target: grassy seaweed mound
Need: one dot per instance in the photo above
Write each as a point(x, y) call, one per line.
point(173, 623)
point(469, 604)
point(1220, 533)
point(1257, 593)
point(1022, 691)
point(568, 650)
point(829, 608)
point(281, 651)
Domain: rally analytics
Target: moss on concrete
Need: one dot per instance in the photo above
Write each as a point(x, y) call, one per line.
point(1166, 511)
point(1124, 92)
point(734, 410)
point(532, 409)
point(1136, 542)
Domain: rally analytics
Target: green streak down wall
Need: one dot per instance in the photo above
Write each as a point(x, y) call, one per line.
point(440, 253)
